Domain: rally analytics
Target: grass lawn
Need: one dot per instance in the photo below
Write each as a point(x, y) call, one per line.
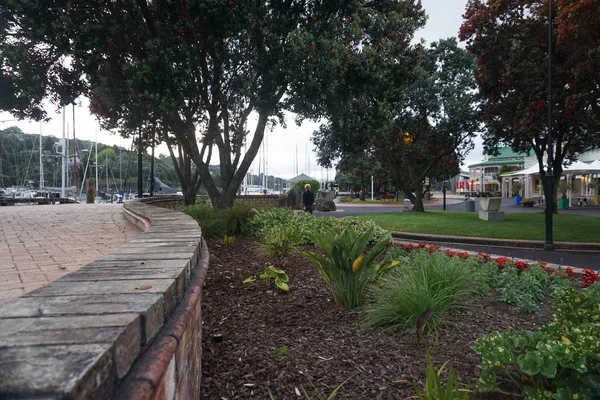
point(526, 226)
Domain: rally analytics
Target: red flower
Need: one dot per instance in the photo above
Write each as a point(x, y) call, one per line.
point(589, 277)
point(433, 249)
point(501, 261)
point(569, 271)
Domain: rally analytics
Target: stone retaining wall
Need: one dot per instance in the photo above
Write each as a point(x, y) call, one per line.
point(127, 325)
point(171, 202)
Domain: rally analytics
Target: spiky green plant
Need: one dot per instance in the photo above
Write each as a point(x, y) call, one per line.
point(345, 265)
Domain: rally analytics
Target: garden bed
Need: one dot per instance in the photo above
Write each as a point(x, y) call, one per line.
point(258, 339)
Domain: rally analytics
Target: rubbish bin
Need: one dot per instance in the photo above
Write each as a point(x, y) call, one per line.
point(470, 205)
point(406, 203)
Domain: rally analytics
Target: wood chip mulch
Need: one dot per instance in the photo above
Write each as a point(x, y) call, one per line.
point(256, 338)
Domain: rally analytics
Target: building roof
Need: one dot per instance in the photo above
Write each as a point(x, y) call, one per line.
point(300, 177)
point(505, 156)
point(497, 162)
point(508, 152)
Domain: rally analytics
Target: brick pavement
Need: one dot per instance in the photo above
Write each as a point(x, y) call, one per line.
point(39, 244)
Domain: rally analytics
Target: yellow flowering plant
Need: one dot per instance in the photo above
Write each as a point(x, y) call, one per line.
point(559, 361)
point(345, 264)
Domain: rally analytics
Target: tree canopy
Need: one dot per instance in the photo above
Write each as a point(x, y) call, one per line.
point(196, 68)
point(510, 42)
point(418, 128)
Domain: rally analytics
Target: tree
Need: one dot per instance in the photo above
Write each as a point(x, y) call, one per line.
point(355, 171)
point(579, 40)
point(510, 42)
point(420, 128)
point(198, 68)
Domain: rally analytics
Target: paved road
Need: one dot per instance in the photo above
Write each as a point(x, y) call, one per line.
point(39, 244)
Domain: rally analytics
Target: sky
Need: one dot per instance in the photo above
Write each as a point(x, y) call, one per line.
point(281, 144)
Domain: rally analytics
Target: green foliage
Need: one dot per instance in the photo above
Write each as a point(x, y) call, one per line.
point(517, 186)
point(214, 259)
point(278, 275)
point(434, 390)
point(345, 265)
point(182, 61)
point(564, 187)
point(485, 276)
point(227, 240)
point(314, 185)
point(561, 360)
point(387, 118)
point(506, 41)
point(279, 241)
point(218, 223)
point(420, 281)
point(282, 351)
point(523, 289)
point(306, 224)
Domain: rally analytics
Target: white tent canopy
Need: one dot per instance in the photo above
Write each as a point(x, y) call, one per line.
point(577, 168)
point(534, 169)
point(581, 168)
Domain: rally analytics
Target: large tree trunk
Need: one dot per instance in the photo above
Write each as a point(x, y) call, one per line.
point(190, 183)
point(557, 172)
point(418, 202)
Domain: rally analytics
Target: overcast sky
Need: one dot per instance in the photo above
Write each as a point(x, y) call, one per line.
point(444, 21)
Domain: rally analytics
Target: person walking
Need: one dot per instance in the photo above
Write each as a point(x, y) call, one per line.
point(308, 199)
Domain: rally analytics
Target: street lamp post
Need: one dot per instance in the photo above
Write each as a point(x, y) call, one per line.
point(548, 244)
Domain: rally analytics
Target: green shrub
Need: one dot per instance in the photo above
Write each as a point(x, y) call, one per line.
point(345, 266)
point(559, 361)
point(308, 224)
point(523, 289)
point(212, 225)
point(314, 185)
point(421, 281)
point(280, 241)
point(218, 223)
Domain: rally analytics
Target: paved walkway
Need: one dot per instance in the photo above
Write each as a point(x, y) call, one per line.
point(39, 244)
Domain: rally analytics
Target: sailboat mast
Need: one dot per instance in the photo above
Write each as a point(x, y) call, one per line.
point(41, 163)
point(63, 147)
point(96, 162)
point(74, 152)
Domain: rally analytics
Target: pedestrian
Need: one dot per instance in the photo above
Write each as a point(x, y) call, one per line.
point(308, 199)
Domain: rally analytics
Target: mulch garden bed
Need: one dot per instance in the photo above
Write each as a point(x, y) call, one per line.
point(245, 324)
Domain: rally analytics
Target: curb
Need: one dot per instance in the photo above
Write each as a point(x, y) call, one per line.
point(579, 246)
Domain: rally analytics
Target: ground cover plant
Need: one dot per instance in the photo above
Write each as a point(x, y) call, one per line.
point(525, 226)
point(561, 360)
point(326, 344)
